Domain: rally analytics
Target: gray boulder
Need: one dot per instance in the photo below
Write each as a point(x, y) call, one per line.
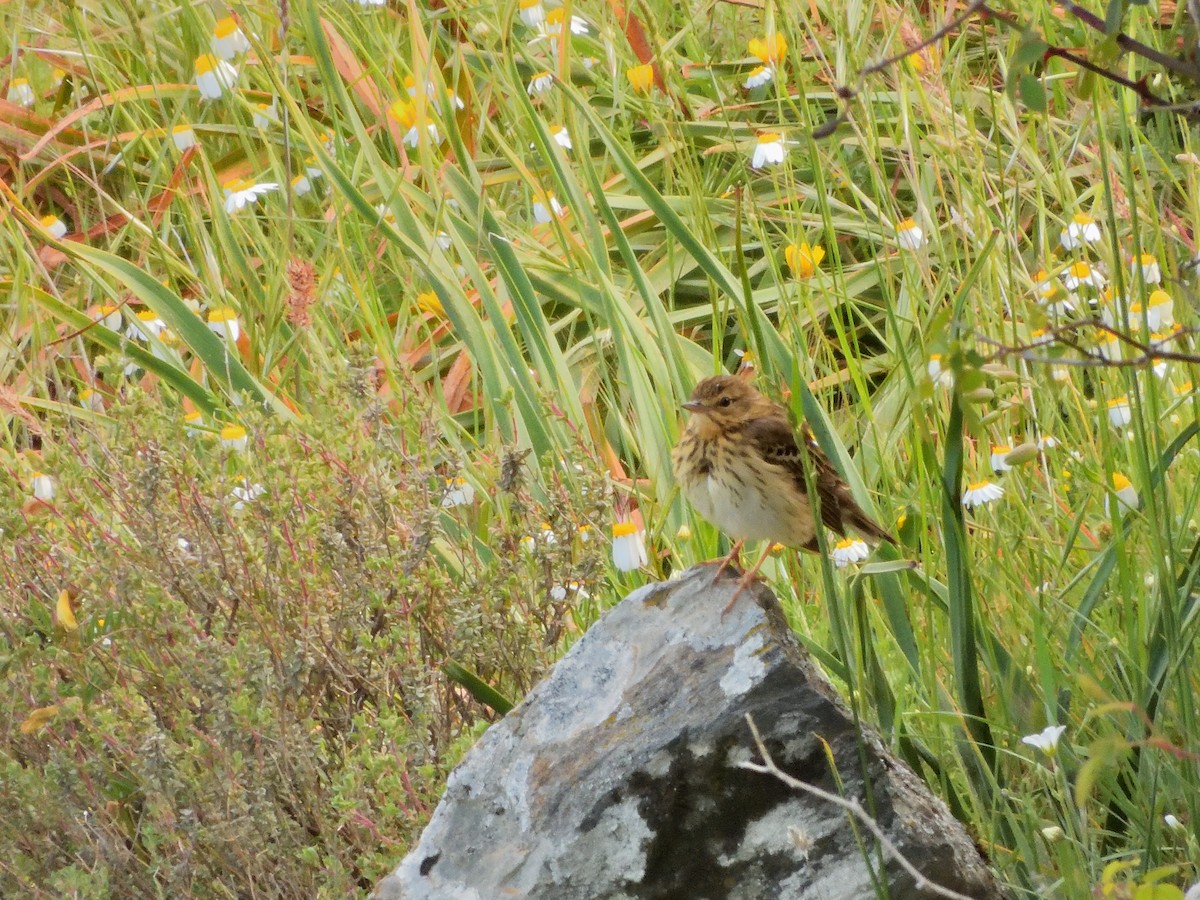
point(619, 775)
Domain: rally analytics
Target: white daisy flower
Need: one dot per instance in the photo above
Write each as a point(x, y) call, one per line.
point(849, 550)
point(999, 458)
point(240, 193)
point(909, 234)
point(1125, 492)
point(184, 137)
point(1119, 413)
point(628, 547)
point(1043, 282)
point(1147, 264)
point(228, 39)
point(193, 423)
point(532, 13)
point(1081, 274)
point(1109, 346)
point(43, 486)
point(246, 493)
point(561, 136)
point(1160, 311)
point(769, 150)
point(1081, 230)
point(459, 492)
point(759, 76)
point(20, 92)
point(981, 493)
point(223, 322)
point(53, 226)
point(234, 437)
point(145, 325)
point(214, 76)
point(265, 115)
point(108, 315)
point(301, 185)
point(544, 206)
point(554, 23)
point(90, 399)
point(540, 83)
point(938, 374)
point(1045, 740)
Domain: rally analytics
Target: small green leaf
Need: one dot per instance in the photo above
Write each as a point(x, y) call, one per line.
point(1033, 95)
point(1029, 52)
point(476, 687)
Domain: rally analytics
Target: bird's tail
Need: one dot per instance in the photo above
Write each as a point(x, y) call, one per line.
point(867, 527)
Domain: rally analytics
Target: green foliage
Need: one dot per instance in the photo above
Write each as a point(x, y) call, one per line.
point(251, 699)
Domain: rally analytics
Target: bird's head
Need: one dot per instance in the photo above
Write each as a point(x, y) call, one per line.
point(725, 400)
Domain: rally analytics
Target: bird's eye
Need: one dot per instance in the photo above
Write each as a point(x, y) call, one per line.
point(727, 401)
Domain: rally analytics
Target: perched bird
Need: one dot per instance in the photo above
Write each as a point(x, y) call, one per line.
point(741, 465)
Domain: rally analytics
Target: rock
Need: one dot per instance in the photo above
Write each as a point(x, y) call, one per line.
point(618, 775)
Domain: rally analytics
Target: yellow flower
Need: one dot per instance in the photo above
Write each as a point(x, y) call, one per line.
point(641, 78)
point(405, 113)
point(803, 259)
point(427, 301)
point(770, 49)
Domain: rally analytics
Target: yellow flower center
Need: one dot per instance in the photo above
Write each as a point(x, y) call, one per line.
point(205, 63)
point(233, 433)
point(624, 529)
point(225, 27)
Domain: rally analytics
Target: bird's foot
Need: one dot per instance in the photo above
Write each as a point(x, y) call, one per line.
point(748, 579)
point(731, 562)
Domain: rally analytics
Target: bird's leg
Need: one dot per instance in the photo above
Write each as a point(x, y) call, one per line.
point(747, 580)
point(734, 556)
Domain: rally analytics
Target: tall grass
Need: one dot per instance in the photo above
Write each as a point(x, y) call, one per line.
point(578, 337)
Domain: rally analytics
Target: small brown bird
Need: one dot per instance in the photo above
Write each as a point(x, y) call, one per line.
point(740, 464)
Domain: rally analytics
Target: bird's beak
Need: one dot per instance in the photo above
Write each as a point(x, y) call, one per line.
point(694, 406)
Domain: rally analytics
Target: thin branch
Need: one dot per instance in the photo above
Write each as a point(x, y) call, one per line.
point(1125, 42)
point(768, 767)
point(1065, 334)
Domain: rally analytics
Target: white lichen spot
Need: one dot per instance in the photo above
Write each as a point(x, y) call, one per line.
point(747, 668)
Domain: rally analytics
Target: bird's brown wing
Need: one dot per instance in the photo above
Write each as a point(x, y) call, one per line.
point(776, 442)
